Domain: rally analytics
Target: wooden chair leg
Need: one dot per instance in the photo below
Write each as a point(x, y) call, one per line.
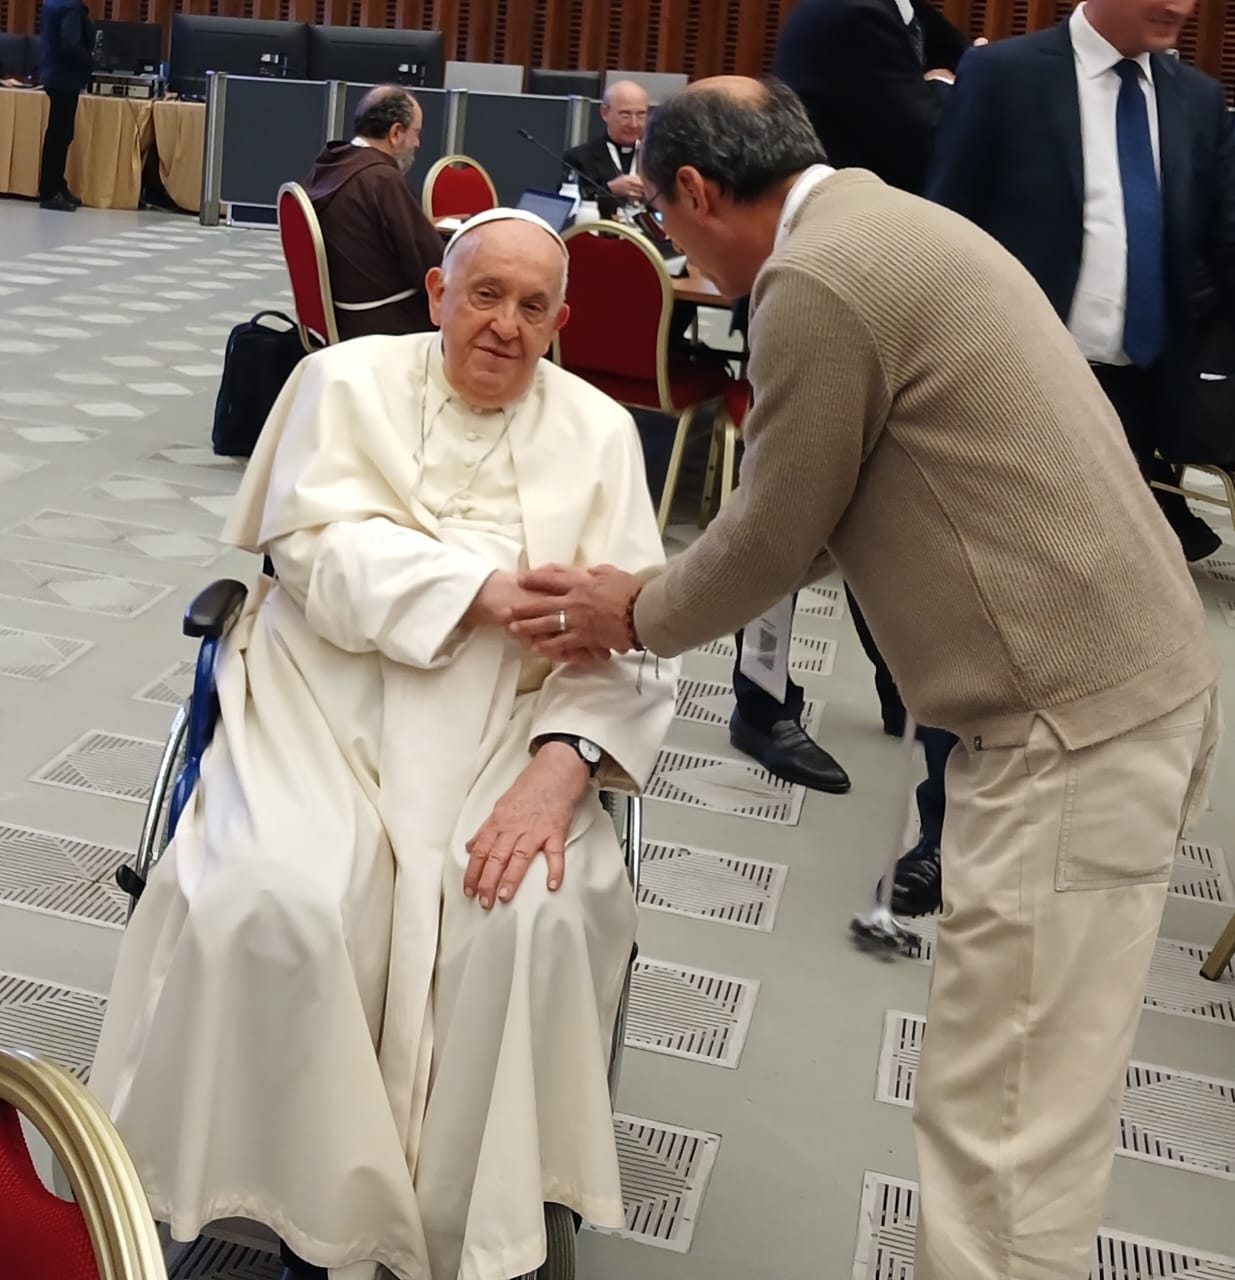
point(675, 465)
point(729, 463)
point(707, 506)
point(1220, 956)
point(1228, 483)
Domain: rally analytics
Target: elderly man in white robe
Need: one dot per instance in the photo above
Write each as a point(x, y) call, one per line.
point(368, 994)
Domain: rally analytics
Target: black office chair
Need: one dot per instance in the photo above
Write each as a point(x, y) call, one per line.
point(561, 84)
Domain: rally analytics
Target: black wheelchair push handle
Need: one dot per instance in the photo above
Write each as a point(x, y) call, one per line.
point(215, 610)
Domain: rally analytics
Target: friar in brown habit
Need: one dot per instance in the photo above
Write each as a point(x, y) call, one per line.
point(379, 244)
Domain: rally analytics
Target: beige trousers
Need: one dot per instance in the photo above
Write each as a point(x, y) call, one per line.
point(1056, 865)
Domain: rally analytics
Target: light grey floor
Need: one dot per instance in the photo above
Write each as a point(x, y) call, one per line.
point(111, 332)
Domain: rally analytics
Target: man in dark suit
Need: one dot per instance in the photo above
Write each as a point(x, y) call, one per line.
point(67, 37)
point(871, 74)
point(610, 159)
point(1108, 168)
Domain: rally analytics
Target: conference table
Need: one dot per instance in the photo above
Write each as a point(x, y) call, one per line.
point(696, 288)
point(113, 140)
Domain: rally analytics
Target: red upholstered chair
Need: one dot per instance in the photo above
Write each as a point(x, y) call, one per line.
point(722, 457)
point(305, 254)
point(106, 1232)
point(457, 187)
point(621, 302)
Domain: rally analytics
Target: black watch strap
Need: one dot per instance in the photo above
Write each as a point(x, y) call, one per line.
point(571, 740)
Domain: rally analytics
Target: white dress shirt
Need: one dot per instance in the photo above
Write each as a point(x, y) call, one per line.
point(1097, 316)
point(906, 11)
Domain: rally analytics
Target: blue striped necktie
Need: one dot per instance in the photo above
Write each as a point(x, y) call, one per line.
point(1145, 309)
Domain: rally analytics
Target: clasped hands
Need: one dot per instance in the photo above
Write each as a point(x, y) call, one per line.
point(560, 612)
point(535, 814)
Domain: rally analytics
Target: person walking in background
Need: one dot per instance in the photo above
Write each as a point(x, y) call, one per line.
point(67, 39)
point(1107, 167)
point(873, 76)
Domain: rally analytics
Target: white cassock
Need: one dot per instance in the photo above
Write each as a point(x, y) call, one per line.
point(310, 1026)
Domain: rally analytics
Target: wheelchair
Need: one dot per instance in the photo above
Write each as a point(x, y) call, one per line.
point(209, 619)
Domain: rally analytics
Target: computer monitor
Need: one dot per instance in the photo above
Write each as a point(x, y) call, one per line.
point(239, 46)
point(563, 83)
point(19, 56)
point(376, 55)
point(132, 47)
point(555, 209)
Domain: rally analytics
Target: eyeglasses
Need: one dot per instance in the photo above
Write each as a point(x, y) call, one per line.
point(631, 117)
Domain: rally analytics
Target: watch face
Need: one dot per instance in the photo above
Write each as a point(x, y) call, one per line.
point(590, 751)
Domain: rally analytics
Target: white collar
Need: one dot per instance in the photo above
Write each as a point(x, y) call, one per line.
point(1094, 52)
point(615, 153)
point(905, 8)
point(807, 181)
point(358, 141)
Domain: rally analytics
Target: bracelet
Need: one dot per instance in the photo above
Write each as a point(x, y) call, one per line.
point(630, 622)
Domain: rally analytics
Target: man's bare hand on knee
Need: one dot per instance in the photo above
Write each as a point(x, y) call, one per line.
point(533, 817)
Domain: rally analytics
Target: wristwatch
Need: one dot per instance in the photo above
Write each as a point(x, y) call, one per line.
point(589, 752)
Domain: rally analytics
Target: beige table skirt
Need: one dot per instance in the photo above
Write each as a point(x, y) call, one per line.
point(180, 139)
point(111, 142)
point(23, 118)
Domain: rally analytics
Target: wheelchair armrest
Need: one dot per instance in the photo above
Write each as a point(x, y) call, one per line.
point(215, 610)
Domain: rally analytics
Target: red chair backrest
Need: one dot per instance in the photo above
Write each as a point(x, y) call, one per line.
point(305, 256)
point(41, 1236)
point(458, 189)
point(616, 291)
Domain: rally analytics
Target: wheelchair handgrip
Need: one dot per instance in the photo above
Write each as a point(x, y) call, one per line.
point(215, 610)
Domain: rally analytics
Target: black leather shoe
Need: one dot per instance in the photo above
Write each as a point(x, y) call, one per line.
point(59, 204)
point(917, 889)
point(788, 751)
point(70, 197)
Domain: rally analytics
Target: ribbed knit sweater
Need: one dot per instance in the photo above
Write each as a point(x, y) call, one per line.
point(921, 413)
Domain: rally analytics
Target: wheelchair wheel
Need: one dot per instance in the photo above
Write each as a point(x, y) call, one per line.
point(559, 1261)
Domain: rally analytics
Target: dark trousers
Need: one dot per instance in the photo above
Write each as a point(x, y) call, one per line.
point(1137, 399)
point(891, 708)
point(937, 743)
point(60, 122)
point(932, 800)
point(756, 706)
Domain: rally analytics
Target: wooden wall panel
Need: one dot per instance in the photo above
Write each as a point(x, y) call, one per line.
point(699, 37)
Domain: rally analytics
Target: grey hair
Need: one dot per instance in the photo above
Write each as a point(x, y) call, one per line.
point(381, 109)
point(746, 145)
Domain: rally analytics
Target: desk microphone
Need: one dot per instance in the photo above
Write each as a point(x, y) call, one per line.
point(606, 201)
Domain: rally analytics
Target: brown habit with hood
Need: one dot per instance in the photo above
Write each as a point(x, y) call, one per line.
point(378, 240)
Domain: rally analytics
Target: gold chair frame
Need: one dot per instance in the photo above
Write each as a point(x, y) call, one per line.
point(104, 1182)
point(1197, 495)
point(426, 191)
point(301, 196)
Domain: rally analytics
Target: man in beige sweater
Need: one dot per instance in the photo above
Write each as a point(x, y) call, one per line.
point(922, 413)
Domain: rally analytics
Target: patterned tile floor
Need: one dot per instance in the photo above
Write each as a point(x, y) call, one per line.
point(763, 1051)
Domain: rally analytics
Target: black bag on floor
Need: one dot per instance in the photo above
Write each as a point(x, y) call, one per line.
point(258, 361)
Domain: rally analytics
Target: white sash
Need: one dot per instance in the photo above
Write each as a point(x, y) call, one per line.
point(372, 306)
